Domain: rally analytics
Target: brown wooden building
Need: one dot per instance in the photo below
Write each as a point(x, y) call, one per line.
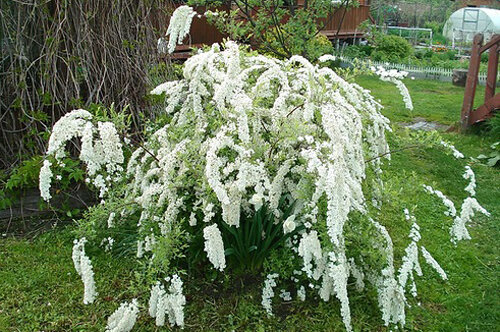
point(340, 24)
point(346, 23)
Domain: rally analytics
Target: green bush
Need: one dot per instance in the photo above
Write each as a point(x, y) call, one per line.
point(358, 51)
point(391, 48)
point(484, 57)
point(318, 46)
point(435, 26)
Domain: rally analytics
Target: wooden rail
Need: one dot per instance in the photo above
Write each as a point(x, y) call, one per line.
point(491, 100)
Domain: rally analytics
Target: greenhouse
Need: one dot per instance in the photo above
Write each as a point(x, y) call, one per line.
point(463, 24)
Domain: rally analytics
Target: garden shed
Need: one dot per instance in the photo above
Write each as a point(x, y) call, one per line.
point(466, 22)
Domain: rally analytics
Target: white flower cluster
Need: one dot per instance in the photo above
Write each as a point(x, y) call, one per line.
point(45, 180)
point(458, 230)
point(171, 304)
point(410, 260)
point(178, 28)
point(391, 298)
point(394, 76)
point(469, 175)
point(107, 243)
point(111, 219)
point(285, 296)
point(452, 211)
point(335, 282)
point(101, 150)
point(214, 246)
point(433, 263)
point(469, 206)
point(457, 154)
point(268, 292)
point(124, 318)
point(145, 245)
point(83, 267)
point(310, 251)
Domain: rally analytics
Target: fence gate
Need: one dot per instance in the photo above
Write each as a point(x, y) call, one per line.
point(491, 100)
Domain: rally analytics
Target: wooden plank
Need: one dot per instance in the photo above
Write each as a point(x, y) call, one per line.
point(491, 79)
point(471, 83)
point(495, 39)
point(486, 110)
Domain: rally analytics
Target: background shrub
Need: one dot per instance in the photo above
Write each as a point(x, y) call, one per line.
point(391, 48)
point(318, 46)
point(358, 51)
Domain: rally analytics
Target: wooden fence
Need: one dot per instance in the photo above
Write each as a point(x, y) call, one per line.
point(202, 33)
point(352, 18)
point(426, 72)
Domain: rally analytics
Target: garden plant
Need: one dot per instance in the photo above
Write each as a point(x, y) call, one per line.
point(259, 166)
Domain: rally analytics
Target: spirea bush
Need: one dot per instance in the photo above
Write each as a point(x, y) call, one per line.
point(258, 166)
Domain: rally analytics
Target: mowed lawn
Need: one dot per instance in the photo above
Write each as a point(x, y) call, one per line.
point(40, 290)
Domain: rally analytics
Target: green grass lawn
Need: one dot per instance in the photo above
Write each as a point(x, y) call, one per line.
point(433, 100)
point(40, 290)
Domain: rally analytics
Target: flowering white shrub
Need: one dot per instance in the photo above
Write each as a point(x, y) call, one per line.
point(247, 133)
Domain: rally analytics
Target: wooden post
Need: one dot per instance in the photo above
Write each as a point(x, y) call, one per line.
point(471, 83)
point(491, 79)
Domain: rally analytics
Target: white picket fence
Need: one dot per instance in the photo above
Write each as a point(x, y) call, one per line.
point(426, 72)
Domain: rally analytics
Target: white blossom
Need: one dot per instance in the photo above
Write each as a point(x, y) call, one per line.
point(457, 154)
point(124, 318)
point(327, 57)
point(301, 293)
point(433, 263)
point(310, 251)
point(394, 76)
point(83, 267)
point(214, 247)
point(101, 150)
point(335, 282)
point(458, 230)
point(285, 296)
point(107, 243)
point(179, 26)
point(469, 175)
point(111, 219)
point(289, 224)
point(45, 180)
point(268, 292)
point(168, 304)
point(452, 211)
